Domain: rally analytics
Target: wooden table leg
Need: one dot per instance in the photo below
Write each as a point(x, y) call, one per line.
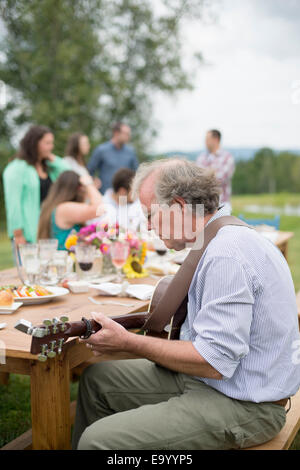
point(50, 404)
point(4, 378)
point(285, 250)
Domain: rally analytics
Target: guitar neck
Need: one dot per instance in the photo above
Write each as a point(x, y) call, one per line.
point(131, 321)
point(56, 336)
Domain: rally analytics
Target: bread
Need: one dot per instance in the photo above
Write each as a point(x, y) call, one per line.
point(6, 298)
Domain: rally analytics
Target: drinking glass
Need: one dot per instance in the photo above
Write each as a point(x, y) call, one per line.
point(30, 261)
point(47, 248)
point(85, 255)
point(119, 252)
point(159, 246)
point(58, 266)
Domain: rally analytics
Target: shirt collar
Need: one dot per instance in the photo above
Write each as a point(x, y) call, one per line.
point(215, 154)
point(223, 210)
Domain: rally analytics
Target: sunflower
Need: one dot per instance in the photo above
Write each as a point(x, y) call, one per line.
point(133, 267)
point(143, 252)
point(71, 241)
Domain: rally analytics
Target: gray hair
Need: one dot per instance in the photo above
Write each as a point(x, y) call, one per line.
point(179, 177)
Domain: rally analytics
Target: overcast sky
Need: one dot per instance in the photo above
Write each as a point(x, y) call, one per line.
point(250, 85)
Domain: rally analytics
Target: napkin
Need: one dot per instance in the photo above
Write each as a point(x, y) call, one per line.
point(139, 291)
point(272, 236)
point(107, 288)
point(161, 268)
point(180, 257)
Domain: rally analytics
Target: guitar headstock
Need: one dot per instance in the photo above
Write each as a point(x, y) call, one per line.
point(48, 338)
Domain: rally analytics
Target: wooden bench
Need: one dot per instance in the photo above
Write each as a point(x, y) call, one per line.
point(284, 439)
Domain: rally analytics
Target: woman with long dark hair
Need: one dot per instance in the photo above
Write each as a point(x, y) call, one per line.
point(65, 208)
point(27, 180)
point(78, 146)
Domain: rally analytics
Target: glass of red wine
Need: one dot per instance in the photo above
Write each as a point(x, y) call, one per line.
point(119, 252)
point(159, 247)
point(85, 255)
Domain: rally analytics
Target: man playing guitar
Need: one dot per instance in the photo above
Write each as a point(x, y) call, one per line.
point(225, 382)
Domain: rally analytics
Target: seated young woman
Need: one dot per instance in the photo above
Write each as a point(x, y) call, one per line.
point(72, 201)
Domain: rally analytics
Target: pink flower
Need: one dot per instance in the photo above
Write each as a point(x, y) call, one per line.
point(84, 231)
point(104, 247)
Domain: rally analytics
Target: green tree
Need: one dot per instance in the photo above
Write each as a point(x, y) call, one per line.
point(268, 172)
point(264, 169)
point(82, 64)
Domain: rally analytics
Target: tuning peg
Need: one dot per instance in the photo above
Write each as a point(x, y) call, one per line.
point(25, 326)
point(63, 319)
point(47, 322)
point(52, 353)
point(60, 345)
point(55, 322)
point(43, 354)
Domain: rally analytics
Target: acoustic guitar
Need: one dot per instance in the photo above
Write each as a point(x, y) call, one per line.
point(48, 339)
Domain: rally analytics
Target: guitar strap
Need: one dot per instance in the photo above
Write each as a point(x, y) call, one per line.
point(179, 286)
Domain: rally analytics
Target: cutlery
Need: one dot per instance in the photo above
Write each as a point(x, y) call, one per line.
point(109, 302)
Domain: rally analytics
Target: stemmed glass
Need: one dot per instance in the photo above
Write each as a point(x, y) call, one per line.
point(159, 247)
point(119, 252)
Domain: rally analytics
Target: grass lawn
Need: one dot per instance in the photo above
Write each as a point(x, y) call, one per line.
point(15, 398)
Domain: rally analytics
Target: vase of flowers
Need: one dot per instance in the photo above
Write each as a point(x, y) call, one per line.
point(102, 235)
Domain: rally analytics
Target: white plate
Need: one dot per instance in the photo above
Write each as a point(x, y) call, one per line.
point(12, 309)
point(57, 292)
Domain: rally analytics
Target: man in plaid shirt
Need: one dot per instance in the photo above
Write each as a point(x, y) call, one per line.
point(221, 161)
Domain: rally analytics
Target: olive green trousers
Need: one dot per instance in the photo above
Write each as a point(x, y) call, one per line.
point(136, 404)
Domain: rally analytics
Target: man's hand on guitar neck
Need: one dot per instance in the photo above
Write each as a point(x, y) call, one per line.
point(112, 337)
point(179, 356)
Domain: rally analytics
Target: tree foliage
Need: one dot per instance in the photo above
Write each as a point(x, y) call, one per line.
point(82, 64)
point(268, 172)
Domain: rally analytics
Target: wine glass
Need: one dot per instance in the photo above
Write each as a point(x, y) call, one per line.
point(85, 255)
point(119, 252)
point(159, 247)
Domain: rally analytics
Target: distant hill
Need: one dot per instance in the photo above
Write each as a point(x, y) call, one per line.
point(238, 153)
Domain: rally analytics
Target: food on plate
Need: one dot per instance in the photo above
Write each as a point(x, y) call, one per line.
point(6, 298)
point(26, 291)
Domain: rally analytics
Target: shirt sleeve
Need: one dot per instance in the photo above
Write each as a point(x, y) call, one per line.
point(223, 323)
point(13, 191)
point(134, 161)
point(58, 166)
point(95, 162)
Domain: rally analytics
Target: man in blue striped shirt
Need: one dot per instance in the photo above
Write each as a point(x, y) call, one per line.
point(225, 383)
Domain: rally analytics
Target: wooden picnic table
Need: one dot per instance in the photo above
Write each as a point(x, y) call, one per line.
point(50, 380)
point(282, 242)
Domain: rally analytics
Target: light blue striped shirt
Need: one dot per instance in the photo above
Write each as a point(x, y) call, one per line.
point(242, 316)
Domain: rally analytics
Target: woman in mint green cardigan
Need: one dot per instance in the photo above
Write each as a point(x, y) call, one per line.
point(27, 180)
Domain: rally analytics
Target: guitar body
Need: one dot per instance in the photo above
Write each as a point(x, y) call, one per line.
point(172, 330)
